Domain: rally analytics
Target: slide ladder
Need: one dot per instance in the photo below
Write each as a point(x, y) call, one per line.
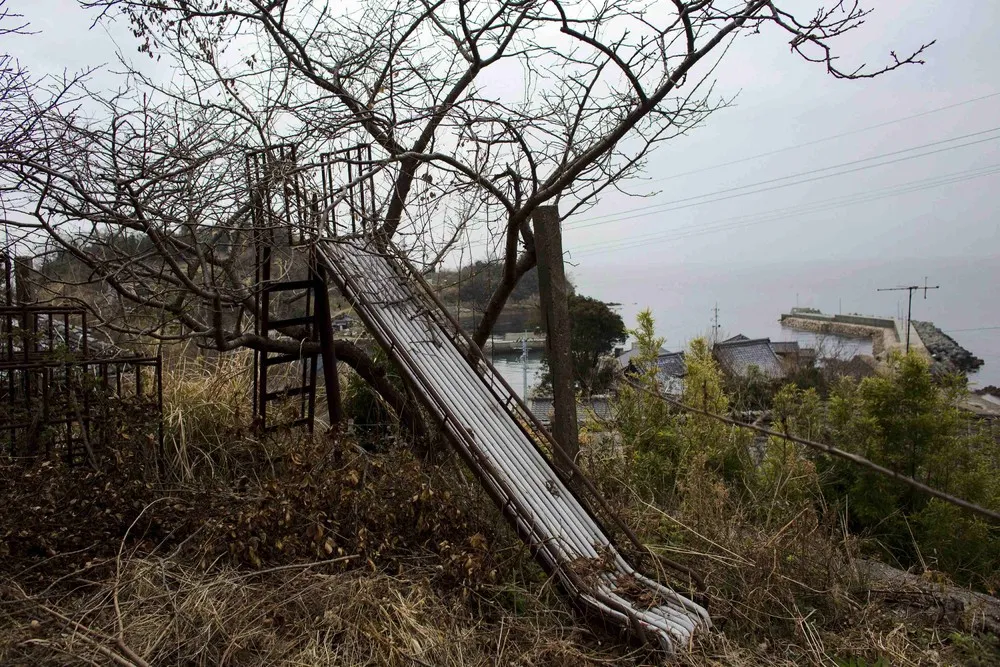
point(504, 446)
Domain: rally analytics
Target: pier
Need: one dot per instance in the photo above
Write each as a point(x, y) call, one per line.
point(515, 342)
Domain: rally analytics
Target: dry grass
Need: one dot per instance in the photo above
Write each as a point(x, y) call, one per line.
point(785, 588)
point(783, 584)
point(159, 612)
point(206, 415)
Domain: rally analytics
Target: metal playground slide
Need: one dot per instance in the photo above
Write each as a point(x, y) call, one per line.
point(504, 446)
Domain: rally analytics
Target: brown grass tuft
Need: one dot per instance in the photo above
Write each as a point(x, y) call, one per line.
point(162, 612)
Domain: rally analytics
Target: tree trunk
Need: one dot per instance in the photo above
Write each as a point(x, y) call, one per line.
point(554, 295)
point(976, 612)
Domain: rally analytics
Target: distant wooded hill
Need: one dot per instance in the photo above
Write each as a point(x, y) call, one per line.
point(475, 283)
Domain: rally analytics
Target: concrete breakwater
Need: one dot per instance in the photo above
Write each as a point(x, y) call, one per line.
point(943, 352)
point(882, 332)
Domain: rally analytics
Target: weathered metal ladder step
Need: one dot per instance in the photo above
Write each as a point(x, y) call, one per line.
point(475, 407)
point(305, 389)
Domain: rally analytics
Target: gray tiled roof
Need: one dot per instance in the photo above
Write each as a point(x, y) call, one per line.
point(668, 364)
point(737, 356)
point(785, 346)
point(625, 358)
point(671, 364)
point(599, 406)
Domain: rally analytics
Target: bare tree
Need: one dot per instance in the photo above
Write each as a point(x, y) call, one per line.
point(478, 113)
point(15, 92)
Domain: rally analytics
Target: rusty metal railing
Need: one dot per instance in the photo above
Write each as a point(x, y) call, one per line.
point(63, 396)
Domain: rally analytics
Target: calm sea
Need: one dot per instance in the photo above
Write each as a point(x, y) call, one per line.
point(751, 298)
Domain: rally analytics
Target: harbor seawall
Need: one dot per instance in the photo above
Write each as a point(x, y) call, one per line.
point(887, 334)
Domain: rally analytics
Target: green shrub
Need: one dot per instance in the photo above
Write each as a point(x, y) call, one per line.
point(646, 424)
point(903, 420)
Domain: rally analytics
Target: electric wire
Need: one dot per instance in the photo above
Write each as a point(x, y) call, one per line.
point(710, 197)
point(734, 192)
point(739, 222)
point(772, 184)
point(972, 329)
point(821, 140)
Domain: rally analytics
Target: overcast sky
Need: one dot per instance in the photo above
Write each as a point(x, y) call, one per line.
point(893, 211)
point(784, 102)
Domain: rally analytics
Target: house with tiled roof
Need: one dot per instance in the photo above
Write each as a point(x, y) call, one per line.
point(738, 354)
point(793, 356)
point(670, 369)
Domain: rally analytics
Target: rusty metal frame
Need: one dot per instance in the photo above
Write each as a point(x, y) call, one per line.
point(357, 193)
point(57, 395)
point(278, 204)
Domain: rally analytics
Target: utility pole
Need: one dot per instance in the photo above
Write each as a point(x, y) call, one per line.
point(715, 323)
point(460, 260)
point(524, 367)
point(909, 307)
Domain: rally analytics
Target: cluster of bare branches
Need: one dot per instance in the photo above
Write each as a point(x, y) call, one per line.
point(478, 113)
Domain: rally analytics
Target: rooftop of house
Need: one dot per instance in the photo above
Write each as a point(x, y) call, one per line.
point(668, 364)
point(598, 407)
point(625, 358)
point(785, 347)
point(671, 364)
point(736, 355)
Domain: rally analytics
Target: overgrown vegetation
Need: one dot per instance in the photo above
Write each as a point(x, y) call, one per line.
point(296, 550)
point(784, 533)
point(663, 446)
point(904, 420)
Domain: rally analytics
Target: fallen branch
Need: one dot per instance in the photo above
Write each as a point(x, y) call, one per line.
point(91, 636)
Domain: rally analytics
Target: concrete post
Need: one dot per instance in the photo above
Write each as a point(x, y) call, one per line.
point(554, 292)
point(24, 289)
point(24, 294)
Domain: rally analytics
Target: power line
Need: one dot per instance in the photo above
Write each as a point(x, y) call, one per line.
point(726, 191)
point(824, 139)
point(972, 329)
point(570, 227)
point(794, 211)
point(737, 222)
